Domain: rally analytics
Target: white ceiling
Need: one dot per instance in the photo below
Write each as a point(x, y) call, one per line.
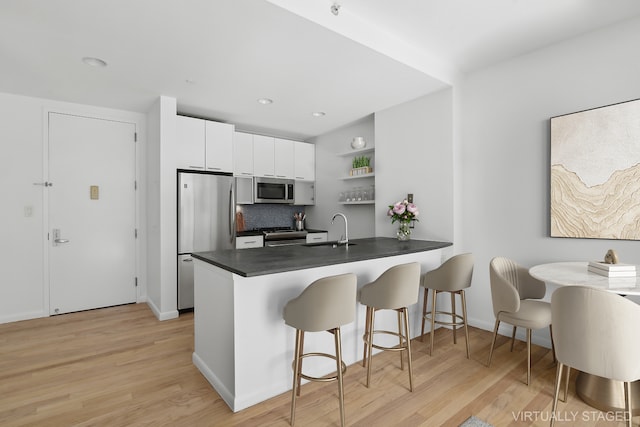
point(217, 57)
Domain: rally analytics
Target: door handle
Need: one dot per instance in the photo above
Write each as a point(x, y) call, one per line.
point(56, 237)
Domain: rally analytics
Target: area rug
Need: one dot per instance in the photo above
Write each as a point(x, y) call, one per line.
point(474, 422)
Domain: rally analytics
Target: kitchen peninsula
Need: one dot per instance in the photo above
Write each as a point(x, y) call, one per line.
point(242, 345)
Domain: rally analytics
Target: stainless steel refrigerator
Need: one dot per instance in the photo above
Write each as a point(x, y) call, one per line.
point(206, 212)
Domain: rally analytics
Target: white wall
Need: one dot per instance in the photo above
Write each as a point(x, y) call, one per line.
point(329, 167)
point(23, 281)
point(414, 154)
point(162, 209)
point(505, 151)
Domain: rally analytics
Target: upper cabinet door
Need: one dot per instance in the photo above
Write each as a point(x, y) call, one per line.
point(305, 161)
point(190, 137)
point(283, 158)
point(242, 154)
point(263, 156)
point(218, 146)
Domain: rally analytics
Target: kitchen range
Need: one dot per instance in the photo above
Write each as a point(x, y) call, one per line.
point(279, 236)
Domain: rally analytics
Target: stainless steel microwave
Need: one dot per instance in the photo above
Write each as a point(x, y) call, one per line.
point(273, 190)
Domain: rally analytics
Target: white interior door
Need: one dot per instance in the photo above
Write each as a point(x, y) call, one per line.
point(91, 213)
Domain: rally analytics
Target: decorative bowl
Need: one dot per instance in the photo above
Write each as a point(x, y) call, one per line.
point(358, 143)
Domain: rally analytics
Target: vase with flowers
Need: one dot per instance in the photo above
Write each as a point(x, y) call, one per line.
point(403, 212)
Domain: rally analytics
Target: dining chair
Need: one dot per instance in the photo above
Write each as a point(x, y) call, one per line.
point(596, 332)
point(516, 300)
point(453, 276)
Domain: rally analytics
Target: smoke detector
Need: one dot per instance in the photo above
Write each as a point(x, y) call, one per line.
point(335, 9)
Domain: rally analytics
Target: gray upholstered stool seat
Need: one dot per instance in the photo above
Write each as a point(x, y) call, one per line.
point(324, 305)
point(395, 289)
point(453, 276)
point(516, 295)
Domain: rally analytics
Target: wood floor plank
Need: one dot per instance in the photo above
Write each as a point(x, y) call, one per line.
point(120, 366)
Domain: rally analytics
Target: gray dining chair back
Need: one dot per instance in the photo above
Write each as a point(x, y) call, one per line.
point(596, 332)
point(516, 300)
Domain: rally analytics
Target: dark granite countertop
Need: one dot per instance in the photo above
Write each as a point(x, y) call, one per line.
point(269, 260)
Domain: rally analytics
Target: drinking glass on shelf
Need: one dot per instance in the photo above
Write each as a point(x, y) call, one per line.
point(358, 194)
point(365, 195)
point(342, 197)
point(352, 194)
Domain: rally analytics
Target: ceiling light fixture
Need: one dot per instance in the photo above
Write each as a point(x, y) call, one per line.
point(94, 62)
point(265, 101)
point(318, 113)
point(335, 9)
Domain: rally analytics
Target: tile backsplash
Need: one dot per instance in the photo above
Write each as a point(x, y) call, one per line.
point(268, 215)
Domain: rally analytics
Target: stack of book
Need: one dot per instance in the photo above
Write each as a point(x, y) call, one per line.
point(612, 270)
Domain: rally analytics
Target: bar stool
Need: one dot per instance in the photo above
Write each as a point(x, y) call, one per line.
point(395, 289)
point(453, 276)
point(324, 305)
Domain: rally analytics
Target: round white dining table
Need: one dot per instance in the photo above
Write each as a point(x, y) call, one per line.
point(601, 393)
point(576, 273)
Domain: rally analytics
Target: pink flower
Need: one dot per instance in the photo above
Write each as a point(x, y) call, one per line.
point(389, 212)
point(412, 208)
point(399, 208)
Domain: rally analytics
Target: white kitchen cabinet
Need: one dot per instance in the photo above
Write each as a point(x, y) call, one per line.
point(304, 193)
point(242, 154)
point(190, 145)
point(263, 156)
point(245, 242)
point(244, 190)
point(304, 159)
point(218, 146)
point(283, 158)
point(317, 237)
point(204, 145)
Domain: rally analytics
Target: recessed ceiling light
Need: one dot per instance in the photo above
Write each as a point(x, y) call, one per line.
point(265, 101)
point(318, 113)
point(94, 62)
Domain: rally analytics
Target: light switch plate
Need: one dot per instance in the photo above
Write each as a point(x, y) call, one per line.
point(94, 192)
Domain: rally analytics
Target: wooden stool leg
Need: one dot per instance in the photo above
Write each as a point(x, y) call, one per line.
point(433, 318)
point(400, 335)
point(365, 336)
point(464, 320)
point(338, 342)
point(493, 342)
point(513, 338)
point(528, 356)
point(408, 337)
point(454, 320)
point(372, 317)
point(296, 374)
point(424, 312)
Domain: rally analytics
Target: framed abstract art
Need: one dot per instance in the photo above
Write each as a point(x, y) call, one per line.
point(595, 173)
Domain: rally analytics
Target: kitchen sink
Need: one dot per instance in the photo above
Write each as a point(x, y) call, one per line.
point(333, 244)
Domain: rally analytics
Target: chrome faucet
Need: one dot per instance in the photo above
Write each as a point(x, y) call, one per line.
point(344, 240)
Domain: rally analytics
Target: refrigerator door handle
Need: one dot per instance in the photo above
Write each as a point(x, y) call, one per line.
point(232, 215)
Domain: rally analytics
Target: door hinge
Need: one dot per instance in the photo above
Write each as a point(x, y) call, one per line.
point(135, 185)
point(135, 137)
point(135, 232)
point(135, 279)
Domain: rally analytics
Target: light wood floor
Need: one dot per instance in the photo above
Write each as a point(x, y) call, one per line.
point(119, 366)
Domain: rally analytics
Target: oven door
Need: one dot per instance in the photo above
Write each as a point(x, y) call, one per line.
point(288, 242)
point(272, 190)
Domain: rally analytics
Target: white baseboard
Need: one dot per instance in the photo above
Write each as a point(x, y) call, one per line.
point(162, 315)
point(23, 316)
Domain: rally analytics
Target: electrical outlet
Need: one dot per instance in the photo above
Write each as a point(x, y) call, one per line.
point(28, 211)
point(94, 192)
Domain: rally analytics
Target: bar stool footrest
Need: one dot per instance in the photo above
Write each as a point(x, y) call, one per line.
point(398, 347)
point(325, 378)
point(455, 324)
